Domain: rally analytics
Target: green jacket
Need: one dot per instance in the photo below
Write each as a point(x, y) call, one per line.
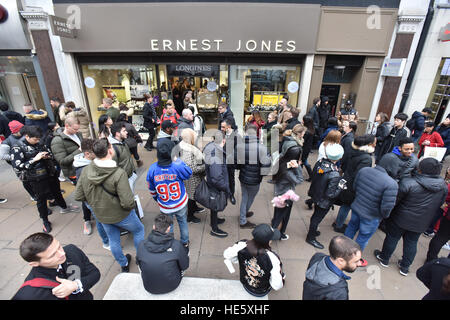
point(108, 208)
point(65, 149)
point(113, 113)
point(123, 156)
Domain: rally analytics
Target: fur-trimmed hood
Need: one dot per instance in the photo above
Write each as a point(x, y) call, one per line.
point(37, 115)
point(366, 148)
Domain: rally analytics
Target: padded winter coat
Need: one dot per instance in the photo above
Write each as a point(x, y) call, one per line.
point(419, 198)
point(251, 159)
point(65, 149)
point(375, 193)
point(324, 186)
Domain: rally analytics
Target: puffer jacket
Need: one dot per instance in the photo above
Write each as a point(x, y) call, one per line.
point(444, 131)
point(324, 185)
point(416, 124)
point(419, 198)
point(64, 150)
point(194, 158)
point(381, 134)
point(122, 156)
point(162, 259)
point(321, 283)
point(375, 193)
point(398, 166)
point(360, 157)
point(251, 159)
point(391, 141)
point(82, 116)
point(37, 118)
point(110, 207)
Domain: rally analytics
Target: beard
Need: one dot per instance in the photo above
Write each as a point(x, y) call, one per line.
point(349, 269)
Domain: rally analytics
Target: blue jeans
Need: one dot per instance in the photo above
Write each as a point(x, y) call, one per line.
point(100, 229)
point(342, 215)
point(366, 228)
point(393, 235)
point(130, 223)
point(181, 217)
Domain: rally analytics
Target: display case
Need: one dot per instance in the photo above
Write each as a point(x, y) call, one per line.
point(265, 102)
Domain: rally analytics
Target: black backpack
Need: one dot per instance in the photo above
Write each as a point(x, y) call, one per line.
point(411, 124)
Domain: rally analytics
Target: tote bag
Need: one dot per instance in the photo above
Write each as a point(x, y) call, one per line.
point(434, 152)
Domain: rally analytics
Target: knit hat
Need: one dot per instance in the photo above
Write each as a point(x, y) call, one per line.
point(334, 151)
point(263, 233)
point(15, 126)
point(164, 152)
point(430, 166)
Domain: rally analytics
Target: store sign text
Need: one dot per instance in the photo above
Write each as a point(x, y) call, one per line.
point(218, 45)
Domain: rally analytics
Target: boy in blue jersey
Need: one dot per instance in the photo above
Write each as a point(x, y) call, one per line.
point(165, 182)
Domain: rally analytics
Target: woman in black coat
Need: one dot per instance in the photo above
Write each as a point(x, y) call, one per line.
point(308, 139)
point(287, 178)
point(383, 129)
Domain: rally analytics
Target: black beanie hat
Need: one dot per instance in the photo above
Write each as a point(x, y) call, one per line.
point(430, 166)
point(164, 152)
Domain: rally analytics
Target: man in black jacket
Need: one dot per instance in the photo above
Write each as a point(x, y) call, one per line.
point(397, 133)
point(418, 199)
point(57, 273)
point(232, 140)
point(150, 120)
point(226, 113)
point(161, 258)
point(325, 279)
point(251, 158)
point(314, 113)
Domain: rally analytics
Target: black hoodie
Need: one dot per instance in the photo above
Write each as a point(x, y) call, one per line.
point(419, 197)
point(161, 259)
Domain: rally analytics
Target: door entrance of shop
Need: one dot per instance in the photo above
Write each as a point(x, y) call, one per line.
point(332, 92)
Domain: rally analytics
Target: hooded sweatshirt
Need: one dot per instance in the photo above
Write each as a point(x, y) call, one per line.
point(322, 283)
point(399, 166)
point(419, 198)
point(162, 259)
point(113, 204)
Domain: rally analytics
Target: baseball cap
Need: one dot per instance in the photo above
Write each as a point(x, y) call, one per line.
point(168, 124)
point(263, 233)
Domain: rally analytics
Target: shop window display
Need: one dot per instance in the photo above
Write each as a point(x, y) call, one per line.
point(261, 88)
point(125, 85)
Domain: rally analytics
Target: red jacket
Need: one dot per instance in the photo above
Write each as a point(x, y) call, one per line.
point(434, 138)
point(174, 117)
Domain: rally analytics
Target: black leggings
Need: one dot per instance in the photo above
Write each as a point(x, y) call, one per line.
point(441, 237)
point(151, 136)
point(282, 215)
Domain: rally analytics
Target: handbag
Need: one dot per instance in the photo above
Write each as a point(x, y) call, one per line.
point(295, 175)
point(209, 197)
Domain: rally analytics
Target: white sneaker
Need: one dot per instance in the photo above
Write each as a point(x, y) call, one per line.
point(3, 200)
point(107, 247)
point(62, 179)
point(87, 228)
point(446, 246)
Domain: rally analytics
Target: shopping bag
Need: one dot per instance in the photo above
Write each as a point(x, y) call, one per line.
point(434, 152)
point(138, 209)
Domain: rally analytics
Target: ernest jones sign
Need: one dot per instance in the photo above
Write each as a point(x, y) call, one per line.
point(194, 27)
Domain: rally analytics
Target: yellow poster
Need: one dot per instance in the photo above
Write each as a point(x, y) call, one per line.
point(116, 93)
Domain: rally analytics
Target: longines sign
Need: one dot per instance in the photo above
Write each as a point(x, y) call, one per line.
point(217, 45)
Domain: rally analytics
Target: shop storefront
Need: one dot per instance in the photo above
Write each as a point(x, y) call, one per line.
point(440, 92)
point(19, 69)
point(243, 56)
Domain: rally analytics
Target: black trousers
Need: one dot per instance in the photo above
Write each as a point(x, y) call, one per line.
point(281, 216)
point(29, 188)
point(46, 189)
point(214, 220)
point(441, 237)
point(192, 206)
point(230, 170)
point(86, 212)
point(151, 136)
point(316, 219)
